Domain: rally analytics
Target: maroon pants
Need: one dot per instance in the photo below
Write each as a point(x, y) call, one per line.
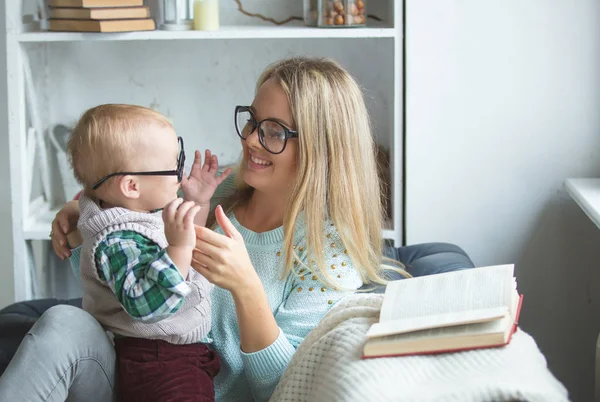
point(155, 370)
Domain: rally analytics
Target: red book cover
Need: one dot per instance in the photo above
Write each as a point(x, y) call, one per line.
point(436, 352)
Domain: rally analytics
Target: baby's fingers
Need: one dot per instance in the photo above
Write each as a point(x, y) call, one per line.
point(223, 176)
point(207, 160)
point(214, 164)
point(197, 160)
point(171, 209)
point(188, 220)
point(183, 209)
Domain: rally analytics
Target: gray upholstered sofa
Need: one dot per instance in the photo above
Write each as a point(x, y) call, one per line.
point(419, 260)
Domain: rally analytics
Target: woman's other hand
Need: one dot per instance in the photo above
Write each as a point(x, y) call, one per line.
point(65, 223)
point(223, 259)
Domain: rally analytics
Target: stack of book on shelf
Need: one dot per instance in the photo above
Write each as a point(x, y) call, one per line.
point(99, 16)
point(462, 310)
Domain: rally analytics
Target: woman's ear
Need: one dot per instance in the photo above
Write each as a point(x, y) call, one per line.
point(129, 186)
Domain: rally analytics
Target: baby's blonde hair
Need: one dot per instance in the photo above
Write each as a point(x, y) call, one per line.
point(107, 138)
point(337, 171)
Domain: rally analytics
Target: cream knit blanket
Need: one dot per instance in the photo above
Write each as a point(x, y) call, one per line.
point(327, 367)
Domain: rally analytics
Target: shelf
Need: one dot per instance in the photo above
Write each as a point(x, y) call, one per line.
point(226, 32)
point(586, 192)
point(38, 228)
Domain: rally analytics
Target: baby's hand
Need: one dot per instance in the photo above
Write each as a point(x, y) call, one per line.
point(179, 223)
point(203, 181)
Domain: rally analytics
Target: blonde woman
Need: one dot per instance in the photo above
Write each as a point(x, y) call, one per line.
point(298, 227)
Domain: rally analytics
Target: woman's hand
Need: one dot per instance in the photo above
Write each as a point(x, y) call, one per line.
point(203, 180)
point(64, 224)
point(223, 259)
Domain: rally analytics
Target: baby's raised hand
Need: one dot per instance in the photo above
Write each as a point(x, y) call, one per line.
point(203, 180)
point(179, 223)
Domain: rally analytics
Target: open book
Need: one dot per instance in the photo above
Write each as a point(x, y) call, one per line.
point(469, 309)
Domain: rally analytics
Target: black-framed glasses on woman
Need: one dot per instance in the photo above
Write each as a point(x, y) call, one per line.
point(178, 172)
point(272, 134)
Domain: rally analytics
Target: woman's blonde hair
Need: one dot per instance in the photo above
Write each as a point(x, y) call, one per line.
point(337, 172)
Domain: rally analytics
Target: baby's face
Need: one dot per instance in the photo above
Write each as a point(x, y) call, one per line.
point(160, 151)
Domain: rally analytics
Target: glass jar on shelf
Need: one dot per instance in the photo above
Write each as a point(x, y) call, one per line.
point(335, 13)
point(178, 15)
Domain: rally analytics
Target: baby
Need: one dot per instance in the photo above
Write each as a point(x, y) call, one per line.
point(138, 238)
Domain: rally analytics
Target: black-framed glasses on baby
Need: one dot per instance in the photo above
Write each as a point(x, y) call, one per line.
point(178, 172)
point(272, 134)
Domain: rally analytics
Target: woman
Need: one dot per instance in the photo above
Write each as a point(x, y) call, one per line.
point(299, 228)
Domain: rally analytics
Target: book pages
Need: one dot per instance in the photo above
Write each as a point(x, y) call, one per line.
point(453, 292)
point(479, 329)
point(403, 325)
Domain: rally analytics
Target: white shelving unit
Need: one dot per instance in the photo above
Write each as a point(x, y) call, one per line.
point(74, 71)
point(225, 32)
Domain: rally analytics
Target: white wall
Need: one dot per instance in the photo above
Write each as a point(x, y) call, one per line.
point(503, 104)
point(196, 83)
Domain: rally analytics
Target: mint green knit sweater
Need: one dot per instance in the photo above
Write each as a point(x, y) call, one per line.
point(298, 303)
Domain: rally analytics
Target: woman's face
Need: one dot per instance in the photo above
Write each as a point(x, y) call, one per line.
point(262, 170)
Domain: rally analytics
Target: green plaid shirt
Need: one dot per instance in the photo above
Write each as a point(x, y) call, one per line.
point(141, 274)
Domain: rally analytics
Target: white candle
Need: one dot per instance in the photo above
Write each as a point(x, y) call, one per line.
point(206, 15)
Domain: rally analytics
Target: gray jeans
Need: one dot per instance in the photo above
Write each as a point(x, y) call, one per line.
point(59, 356)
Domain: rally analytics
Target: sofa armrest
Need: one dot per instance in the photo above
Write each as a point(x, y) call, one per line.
point(424, 259)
